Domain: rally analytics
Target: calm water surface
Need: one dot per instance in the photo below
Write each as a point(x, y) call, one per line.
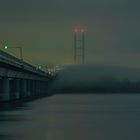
point(74, 117)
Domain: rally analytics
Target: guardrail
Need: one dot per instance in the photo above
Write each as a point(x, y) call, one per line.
point(11, 60)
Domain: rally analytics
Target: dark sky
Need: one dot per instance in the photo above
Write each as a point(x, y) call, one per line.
point(44, 30)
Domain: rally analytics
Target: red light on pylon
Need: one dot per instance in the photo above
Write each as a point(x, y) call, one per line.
point(49, 69)
point(82, 30)
point(75, 30)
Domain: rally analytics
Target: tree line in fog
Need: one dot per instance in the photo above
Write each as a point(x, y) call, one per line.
point(111, 87)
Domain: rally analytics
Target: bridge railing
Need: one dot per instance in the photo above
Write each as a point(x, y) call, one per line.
point(5, 57)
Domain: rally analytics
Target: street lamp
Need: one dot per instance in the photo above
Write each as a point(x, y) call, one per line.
point(50, 70)
point(20, 51)
point(39, 67)
point(6, 46)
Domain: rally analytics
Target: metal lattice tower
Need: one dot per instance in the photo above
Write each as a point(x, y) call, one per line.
point(79, 46)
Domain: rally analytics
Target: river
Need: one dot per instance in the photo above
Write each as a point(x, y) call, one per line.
point(73, 117)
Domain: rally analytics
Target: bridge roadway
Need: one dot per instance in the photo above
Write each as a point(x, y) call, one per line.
point(19, 79)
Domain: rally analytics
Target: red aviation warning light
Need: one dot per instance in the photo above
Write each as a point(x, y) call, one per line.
point(75, 30)
point(80, 29)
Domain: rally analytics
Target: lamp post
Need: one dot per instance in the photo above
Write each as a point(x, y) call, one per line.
point(50, 70)
point(6, 46)
point(20, 51)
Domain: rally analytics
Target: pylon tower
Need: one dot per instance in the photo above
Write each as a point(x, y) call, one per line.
point(79, 45)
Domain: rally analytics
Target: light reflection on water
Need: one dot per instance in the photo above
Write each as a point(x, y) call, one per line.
point(73, 117)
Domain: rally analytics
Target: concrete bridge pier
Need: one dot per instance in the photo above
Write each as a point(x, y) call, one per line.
point(23, 88)
point(16, 91)
point(37, 88)
point(28, 88)
point(5, 89)
point(32, 88)
point(34, 85)
point(16, 88)
point(41, 88)
point(44, 84)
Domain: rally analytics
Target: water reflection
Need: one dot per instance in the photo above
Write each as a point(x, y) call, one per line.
point(9, 114)
point(73, 117)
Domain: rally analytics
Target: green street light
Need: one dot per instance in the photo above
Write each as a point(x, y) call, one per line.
point(5, 46)
point(40, 67)
point(49, 73)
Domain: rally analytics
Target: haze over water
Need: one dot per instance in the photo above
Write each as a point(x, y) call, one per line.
point(44, 29)
point(77, 115)
point(74, 117)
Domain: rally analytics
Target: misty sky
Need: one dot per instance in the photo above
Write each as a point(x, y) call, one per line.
point(44, 29)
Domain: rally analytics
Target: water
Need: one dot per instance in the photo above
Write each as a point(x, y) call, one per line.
point(73, 117)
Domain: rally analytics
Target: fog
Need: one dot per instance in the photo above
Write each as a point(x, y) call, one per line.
point(88, 78)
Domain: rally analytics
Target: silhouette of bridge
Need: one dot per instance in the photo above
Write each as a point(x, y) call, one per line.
point(19, 80)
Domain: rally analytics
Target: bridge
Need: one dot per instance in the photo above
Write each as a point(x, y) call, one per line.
point(19, 80)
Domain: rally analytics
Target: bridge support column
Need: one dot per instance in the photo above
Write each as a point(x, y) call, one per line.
point(17, 88)
point(5, 89)
point(44, 86)
point(23, 88)
point(32, 88)
point(39, 88)
point(43, 89)
point(28, 88)
point(35, 88)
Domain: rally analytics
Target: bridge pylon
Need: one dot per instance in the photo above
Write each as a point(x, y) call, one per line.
point(79, 45)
